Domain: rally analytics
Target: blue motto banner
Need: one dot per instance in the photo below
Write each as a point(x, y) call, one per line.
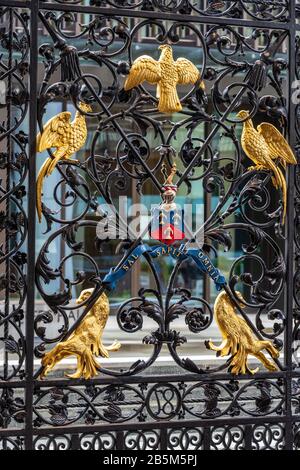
point(201, 259)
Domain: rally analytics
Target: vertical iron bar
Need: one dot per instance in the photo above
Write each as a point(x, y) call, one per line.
point(248, 437)
point(207, 212)
point(75, 442)
point(64, 107)
point(120, 441)
point(163, 439)
point(31, 224)
point(291, 233)
point(7, 188)
point(135, 274)
point(207, 437)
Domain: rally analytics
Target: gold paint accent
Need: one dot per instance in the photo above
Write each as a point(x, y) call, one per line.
point(166, 74)
point(169, 179)
point(238, 338)
point(262, 146)
point(85, 342)
point(67, 137)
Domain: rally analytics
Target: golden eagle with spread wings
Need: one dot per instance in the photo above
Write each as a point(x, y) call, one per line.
point(166, 73)
point(66, 137)
point(264, 145)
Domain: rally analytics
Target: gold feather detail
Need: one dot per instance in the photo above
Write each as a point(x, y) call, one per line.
point(262, 146)
point(85, 342)
point(238, 339)
point(66, 137)
point(166, 74)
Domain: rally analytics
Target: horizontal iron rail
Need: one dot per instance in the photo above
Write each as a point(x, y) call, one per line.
point(165, 16)
point(11, 432)
point(151, 14)
point(15, 4)
point(154, 425)
point(109, 427)
point(146, 379)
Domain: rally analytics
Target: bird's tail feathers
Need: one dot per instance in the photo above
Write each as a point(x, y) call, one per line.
point(168, 100)
point(280, 183)
point(283, 163)
point(39, 186)
point(59, 154)
point(158, 91)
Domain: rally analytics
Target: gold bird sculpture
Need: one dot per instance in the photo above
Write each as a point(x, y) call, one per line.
point(238, 338)
point(264, 145)
point(66, 137)
point(85, 342)
point(166, 74)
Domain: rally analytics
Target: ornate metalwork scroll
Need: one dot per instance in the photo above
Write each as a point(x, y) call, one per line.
point(70, 56)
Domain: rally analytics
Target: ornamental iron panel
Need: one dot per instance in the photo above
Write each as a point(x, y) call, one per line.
point(169, 301)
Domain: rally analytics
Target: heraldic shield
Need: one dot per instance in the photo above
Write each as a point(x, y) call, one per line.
point(167, 226)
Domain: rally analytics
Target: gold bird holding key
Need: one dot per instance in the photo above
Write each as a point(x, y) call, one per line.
point(264, 145)
point(67, 137)
point(166, 73)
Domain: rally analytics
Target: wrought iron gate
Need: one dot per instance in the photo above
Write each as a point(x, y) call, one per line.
point(62, 52)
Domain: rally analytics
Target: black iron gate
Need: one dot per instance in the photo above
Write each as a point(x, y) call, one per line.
point(57, 54)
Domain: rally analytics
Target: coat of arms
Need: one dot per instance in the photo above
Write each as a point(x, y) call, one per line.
point(167, 223)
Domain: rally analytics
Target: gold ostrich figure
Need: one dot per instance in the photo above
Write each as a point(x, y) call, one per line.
point(264, 145)
point(66, 137)
point(85, 342)
point(166, 73)
point(238, 338)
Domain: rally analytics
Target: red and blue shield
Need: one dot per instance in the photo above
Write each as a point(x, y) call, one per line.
point(167, 226)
